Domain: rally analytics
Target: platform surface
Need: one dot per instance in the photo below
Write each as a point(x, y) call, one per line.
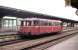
point(8, 33)
point(70, 44)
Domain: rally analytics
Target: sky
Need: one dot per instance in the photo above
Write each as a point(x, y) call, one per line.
point(49, 7)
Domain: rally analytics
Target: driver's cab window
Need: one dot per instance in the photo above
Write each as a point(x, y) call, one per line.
point(22, 23)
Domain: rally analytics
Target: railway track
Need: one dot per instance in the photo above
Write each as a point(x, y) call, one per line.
point(44, 46)
point(6, 38)
point(30, 43)
point(11, 42)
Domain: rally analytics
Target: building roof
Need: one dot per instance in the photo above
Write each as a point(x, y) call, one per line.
point(8, 11)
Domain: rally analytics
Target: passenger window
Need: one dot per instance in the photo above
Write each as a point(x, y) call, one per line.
point(24, 23)
point(27, 23)
point(45, 24)
point(36, 23)
point(41, 23)
point(57, 24)
point(53, 24)
point(50, 24)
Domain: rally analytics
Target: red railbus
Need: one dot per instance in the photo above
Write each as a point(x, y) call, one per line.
point(38, 26)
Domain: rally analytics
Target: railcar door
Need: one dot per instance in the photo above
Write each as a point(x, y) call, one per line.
point(21, 27)
point(28, 26)
point(25, 27)
point(35, 27)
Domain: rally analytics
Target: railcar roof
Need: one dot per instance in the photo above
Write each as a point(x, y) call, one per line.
point(40, 19)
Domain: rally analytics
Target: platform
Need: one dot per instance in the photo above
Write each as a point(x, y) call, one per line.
point(8, 33)
point(70, 44)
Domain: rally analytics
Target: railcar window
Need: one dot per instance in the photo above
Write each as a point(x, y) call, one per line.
point(40, 23)
point(43, 23)
point(46, 24)
point(54, 23)
point(36, 23)
point(50, 24)
point(22, 23)
point(57, 24)
point(25, 23)
point(28, 23)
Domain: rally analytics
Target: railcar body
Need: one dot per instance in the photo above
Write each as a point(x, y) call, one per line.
point(37, 26)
